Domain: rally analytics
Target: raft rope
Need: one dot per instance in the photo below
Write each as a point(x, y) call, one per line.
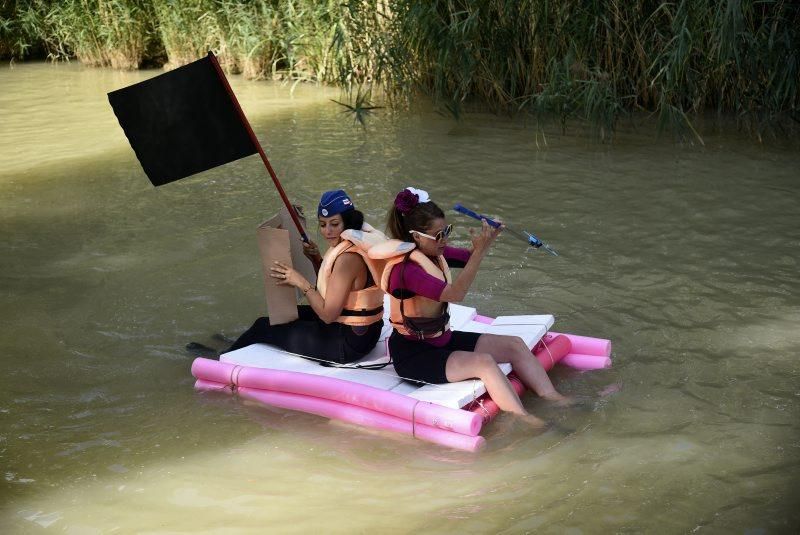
point(414, 419)
point(234, 381)
point(552, 360)
point(479, 402)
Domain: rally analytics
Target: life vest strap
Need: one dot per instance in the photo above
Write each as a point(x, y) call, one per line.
point(372, 312)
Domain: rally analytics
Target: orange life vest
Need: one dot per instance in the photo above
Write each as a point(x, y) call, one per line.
point(365, 306)
point(418, 306)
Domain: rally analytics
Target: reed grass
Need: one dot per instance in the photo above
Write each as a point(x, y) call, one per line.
point(594, 62)
point(251, 38)
point(188, 30)
point(107, 33)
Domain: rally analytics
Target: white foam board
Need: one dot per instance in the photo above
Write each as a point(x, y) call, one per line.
point(461, 315)
point(530, 334)
point(546, 320)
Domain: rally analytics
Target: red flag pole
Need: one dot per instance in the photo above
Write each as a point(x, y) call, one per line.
point(254, 139)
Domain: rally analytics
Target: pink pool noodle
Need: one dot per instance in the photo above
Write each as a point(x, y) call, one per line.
point(551, 349)
point(586, 345)
point(586, 362)
point(353, 414)
point(383, 401)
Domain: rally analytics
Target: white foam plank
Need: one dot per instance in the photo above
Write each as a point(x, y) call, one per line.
point(546, 320)
point(266, 356)
point(530, 334)
point(384, 379)
point(461, 315)
point(405, 387)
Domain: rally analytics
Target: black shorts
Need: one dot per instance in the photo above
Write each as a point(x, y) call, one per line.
point(419, 361)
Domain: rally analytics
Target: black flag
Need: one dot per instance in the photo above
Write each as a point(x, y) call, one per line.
point(182, 122)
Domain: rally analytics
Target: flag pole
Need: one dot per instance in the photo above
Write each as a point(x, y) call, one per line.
point(254, 139)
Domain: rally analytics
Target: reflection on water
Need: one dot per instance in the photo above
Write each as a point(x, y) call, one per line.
point(686, 257)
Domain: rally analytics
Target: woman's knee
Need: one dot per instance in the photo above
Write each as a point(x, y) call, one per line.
point(506, 348)
point(463, 365)
point(503, 343)
point(510, 342)
point(485, 365)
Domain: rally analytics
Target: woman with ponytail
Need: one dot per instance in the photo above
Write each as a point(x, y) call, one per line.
point(422, 345)
point(344, 316)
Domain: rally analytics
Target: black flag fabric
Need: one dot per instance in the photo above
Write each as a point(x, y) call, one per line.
point(182, 122)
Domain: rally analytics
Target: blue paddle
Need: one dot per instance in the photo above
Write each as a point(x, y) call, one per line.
point(527, 237)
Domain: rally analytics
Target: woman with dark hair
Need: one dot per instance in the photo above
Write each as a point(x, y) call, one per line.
point(419, 285)
point(344, 316)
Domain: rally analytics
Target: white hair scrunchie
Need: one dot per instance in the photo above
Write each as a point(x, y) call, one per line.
point(421, 193)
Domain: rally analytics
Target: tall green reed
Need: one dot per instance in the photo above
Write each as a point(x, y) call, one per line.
point(594, 62)
point(113, 33)
point(601, 60)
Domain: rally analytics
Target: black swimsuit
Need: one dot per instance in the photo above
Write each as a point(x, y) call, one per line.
point(310, 336)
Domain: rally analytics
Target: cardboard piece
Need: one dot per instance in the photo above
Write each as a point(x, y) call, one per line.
point(279, 239)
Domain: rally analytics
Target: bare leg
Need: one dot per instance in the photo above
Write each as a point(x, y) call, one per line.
point(513, 350)
point(463, 365)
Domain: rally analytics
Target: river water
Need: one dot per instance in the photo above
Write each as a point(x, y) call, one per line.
point(685, 256)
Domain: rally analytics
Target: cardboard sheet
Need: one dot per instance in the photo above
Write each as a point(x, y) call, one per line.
point(279, 239)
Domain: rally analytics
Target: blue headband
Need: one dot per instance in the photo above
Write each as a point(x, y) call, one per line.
point(334, 202)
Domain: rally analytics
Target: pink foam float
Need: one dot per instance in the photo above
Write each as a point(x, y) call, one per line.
point(586, 353)
point(354, 414)
point(586, 362)
point(586, 345)
point(556, 348)
point(331, 388)
point(551, 349)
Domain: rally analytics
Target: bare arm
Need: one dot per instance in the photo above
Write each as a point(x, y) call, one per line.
point(481, 241)
point(311, 251)
point(345, 271)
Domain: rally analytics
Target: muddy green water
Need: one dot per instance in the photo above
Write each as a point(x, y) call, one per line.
point(687, 257)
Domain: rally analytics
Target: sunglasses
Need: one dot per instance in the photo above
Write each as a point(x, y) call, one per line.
point(440, 236)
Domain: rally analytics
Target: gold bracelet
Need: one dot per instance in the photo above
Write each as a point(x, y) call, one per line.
point(307, 290)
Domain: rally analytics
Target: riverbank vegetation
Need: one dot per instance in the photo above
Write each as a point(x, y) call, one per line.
point(592, 61)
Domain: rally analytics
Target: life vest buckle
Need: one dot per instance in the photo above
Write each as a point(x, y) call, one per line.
point(419, 335)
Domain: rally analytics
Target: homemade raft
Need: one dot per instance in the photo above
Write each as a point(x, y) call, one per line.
point(450, 414)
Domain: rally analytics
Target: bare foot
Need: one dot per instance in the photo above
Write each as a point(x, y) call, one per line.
point(559, 400)
point(532, 421)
